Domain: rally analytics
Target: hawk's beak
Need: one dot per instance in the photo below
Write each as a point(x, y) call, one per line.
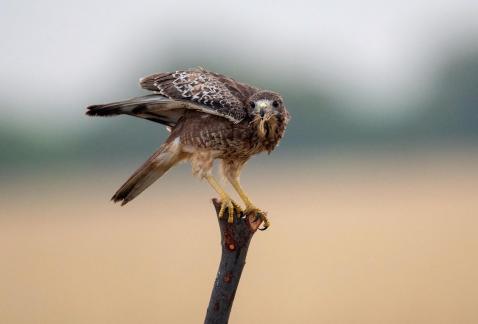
point(263, 107)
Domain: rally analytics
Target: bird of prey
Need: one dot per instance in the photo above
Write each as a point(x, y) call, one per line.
point(209, 116)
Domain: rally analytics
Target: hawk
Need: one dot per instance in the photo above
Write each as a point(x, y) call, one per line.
point(209, 116)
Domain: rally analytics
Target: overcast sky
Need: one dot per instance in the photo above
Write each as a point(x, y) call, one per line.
point(54, 51)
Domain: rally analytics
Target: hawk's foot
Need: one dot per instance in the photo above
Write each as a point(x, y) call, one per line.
point(231, 205)
point(259, 214)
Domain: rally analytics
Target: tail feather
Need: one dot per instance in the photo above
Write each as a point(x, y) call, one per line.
point(157, 165)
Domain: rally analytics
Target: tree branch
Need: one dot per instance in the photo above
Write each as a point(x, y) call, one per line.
point(235, 239)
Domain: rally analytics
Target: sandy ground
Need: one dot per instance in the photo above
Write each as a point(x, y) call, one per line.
point(389, 239)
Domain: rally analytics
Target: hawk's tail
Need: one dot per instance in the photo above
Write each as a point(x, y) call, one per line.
point(157, 165)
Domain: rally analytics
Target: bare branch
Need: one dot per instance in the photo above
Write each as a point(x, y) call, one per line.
point(235, 239)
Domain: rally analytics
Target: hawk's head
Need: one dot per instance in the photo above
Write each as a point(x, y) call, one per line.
point(267, 109)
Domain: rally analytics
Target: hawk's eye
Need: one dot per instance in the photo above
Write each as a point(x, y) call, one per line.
point(275, 104)
point(253, 104)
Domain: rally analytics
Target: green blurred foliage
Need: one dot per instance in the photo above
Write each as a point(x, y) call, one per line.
point(449, 113)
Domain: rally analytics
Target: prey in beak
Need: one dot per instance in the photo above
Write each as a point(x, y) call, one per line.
point(264, 118)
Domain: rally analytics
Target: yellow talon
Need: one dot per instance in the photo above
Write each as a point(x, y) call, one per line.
point(250, 208)
point(226, 201)
point(231, 205)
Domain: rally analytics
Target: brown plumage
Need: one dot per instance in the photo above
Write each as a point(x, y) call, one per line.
point(211, 117)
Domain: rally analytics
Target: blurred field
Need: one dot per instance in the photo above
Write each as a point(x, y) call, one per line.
point(389, 239)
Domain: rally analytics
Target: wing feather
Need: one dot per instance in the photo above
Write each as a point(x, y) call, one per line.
point(211, 92)
point(153, 107)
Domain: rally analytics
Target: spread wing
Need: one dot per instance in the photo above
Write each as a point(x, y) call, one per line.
point(211, 92)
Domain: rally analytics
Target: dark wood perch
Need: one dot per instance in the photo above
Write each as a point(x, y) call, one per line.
point(235, 239)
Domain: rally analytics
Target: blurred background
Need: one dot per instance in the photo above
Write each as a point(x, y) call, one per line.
point(372, 193)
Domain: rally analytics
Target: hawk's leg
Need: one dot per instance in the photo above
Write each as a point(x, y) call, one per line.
point(250, 208)
point(226, 201)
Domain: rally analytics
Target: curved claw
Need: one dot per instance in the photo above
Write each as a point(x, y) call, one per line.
point(261, 215)
point(266, 225)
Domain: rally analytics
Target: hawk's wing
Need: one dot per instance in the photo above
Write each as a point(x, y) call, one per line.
point(211, 92)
